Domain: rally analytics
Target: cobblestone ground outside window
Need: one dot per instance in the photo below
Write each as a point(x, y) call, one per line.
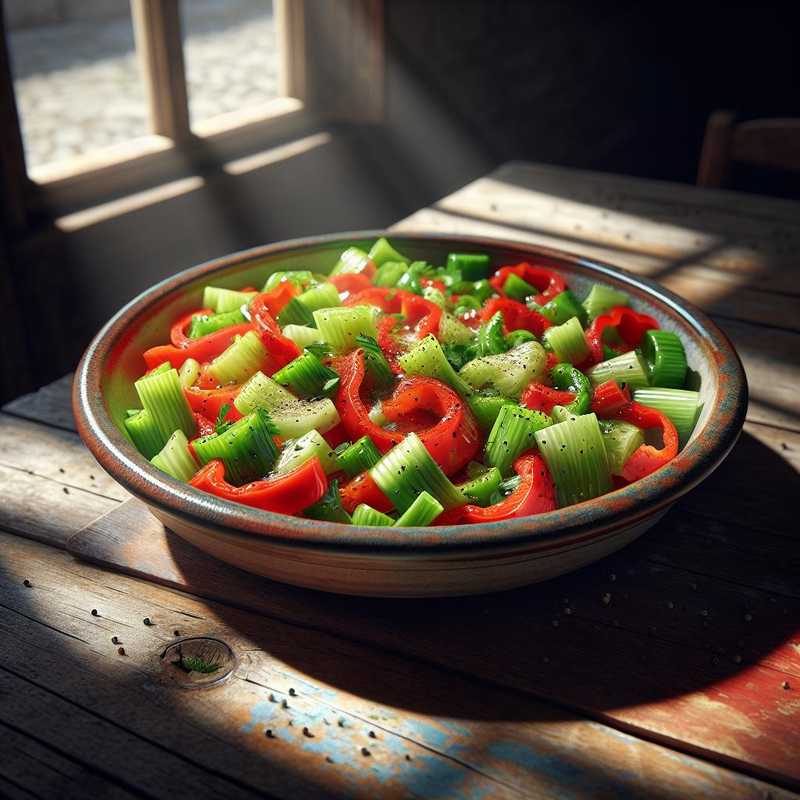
point(79, 87)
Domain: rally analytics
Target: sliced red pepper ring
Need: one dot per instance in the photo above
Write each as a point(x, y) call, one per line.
point(516, 316)
point(548, 283)
point(275, 299)
point(539, 397)
point(286, 494)
point(609, 398)
point(392, 350)
point(647, 458)
point(203, 349)
point(209, 402)
point(363, 489)
point(280, 350)
point(453, 438)
point(629, 324)
point(535, 494)
point(420, 314)
point(350, 282)
point(177, 333)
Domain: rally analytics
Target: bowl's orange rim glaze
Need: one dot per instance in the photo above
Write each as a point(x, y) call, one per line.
point(597, 517)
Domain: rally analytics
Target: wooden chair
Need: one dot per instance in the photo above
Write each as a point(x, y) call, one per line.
point(761, 142)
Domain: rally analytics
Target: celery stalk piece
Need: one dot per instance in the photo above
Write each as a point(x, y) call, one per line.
point(370, 517)
point(453, 331)
point(340, 326)
point(407, 470)
point(144, 432)
point(420, 513)
point(329, 506)
point(509, 373)
point(175, 458)
point(682, 406)
point(563, 307)
point(512, 434)
point(324, 295)
point(307, 376)
point(576, 458)
point(491, 339)
point(568, 341)
point(292, 417)
point(299, 277)
point(666, 359)
point(375, 362)
point(222, 300)
point(389, 274)
point(295, 313)
point(629, 368)
point(382, 252)
point(162, 397)
point(473, 266)
point(359, 457)
point(239, 361)
point(479, 489)
point(603, 298)
point(434, 295)
point(427, 358)
point(302, 335)
point(518, 289)
point(189, 373)
point(352, 260)
point(621, 439)
point(296, 452)
point(487, 407)
point(203, 324)
point(519, 336)
point(246, 448)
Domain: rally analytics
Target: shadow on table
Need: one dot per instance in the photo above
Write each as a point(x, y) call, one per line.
point(690, 604)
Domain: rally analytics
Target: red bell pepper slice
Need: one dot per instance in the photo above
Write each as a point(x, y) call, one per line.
point(542, 398)
point(630, 325)
point(392, 350)
point(351, 282)
point(548, 283)
point(205, 427)
point(363, 489)
point(516, 315)
point(420, 314)
point(276, 298)
point(454, 438)
point(425, 282)
point(280, 350)
point(177, 333)
point(209, 402)
point(647, 458)
point(535, 494)
point(608, 398)
point(203, 349)
point(336, 435)
point(286, 494)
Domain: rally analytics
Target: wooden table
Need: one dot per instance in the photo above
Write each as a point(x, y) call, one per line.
point(669, 670)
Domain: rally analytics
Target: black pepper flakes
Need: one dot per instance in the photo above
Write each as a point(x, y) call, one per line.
point(95, 612)
point(307, 733)
point(364, 751)
point(115, 640)
point(27, 583)
point(147, 621)
point(121, 651)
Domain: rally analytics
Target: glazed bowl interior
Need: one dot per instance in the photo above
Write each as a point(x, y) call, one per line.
point(104, 391)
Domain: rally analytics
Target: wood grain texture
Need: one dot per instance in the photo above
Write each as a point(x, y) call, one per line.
point(50, 405)
point(434, 733)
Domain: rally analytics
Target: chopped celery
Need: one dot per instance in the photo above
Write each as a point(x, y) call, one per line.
point(358, 457)
point(382, 252)
point(239, 361)
point(329, 506)
point(518, 289)
point(295, 313)
point(302, 335)
point(297, 451)
point(682, 406)
point(603, 298)
point(563, 307)
point(299, 277)
point(165, 366)
point(375, 362)
point(473, 266)
point(222, 300)
point(324, 295)
point(627, 368)
point(144, 432)
point(175, 458)
point(407, 470)
point(576, 458)
point(491, 339)
point(204, 324)
point(340, 326)
point(509, 373)
point(452, 331)
point(162, 397)
point(561, 414)
point(434, 295)
point(479, 489)
point(351, 260)
point(420, 513)
point(307, 376)
point(370, 517)
point(518, 337)
point(666, 359)
point(389, 274)
point(467, 303)
point(427, 358)
point(512, 434)
point(189, 373)
point(486, 407)
point(292, 417)
point(620, 440)
point(568, 341)
point(246, 448)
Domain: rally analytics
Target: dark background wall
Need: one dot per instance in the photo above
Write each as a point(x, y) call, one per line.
point(623, 87)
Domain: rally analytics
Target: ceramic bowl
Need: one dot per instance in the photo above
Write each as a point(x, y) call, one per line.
point(409, 562)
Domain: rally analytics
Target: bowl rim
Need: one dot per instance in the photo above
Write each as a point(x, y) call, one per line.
point(590, 518)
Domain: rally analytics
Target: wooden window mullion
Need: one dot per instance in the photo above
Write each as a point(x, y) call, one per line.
point(157, 28)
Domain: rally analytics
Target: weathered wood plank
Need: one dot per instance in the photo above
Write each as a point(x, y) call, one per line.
point(51, 405)
point(463, 738)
